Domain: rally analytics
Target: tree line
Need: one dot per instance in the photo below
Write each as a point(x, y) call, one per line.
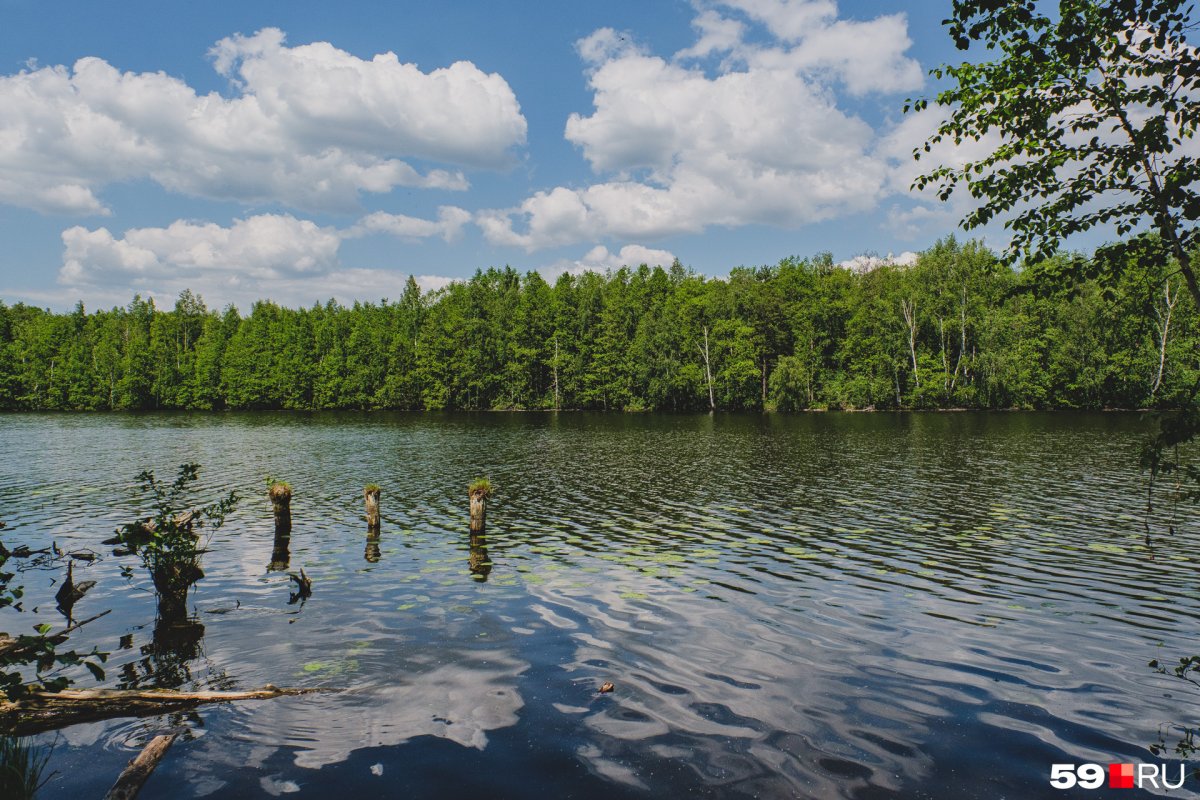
point(957, 329)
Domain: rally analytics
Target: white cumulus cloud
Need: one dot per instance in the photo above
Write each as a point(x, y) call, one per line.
point(448, 226)
point(922, 212)
point(267, 246)
point(600, 259)
point(276, 256)
point(867, 263)
point(760, 139)
point(862, 55)
point(309, 126)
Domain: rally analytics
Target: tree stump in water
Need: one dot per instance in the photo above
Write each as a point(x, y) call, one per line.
point(281, 555)
point(70, 591)
point(478, 512)
point(479, 491)
point(371, 498)
point(372, 553)
point(281, 503)
point(172, 582)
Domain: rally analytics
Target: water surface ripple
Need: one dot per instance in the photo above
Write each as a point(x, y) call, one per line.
point(860, 606)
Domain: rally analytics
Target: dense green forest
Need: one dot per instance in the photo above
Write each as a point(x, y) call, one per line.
point(958, 329)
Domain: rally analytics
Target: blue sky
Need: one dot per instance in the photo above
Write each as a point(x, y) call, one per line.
point(302, 150)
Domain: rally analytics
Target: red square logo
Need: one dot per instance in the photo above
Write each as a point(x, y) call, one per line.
point(1120, 776)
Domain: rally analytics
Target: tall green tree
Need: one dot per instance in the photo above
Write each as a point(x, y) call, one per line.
point(1088, 103)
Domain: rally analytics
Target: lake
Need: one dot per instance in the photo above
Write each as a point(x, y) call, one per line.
point(825, 605)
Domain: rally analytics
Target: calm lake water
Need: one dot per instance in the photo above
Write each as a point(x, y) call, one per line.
point(863, 606)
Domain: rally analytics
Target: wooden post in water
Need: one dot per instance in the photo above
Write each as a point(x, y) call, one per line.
point(371, 498)
point(479, 491)
point(281, 502)
point(281, 555)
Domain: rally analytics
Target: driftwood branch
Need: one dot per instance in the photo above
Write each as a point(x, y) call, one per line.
point(134, 775)
point(47, 711)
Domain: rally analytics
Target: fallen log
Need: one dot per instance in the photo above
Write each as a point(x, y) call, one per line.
point(131, 779)
point(40, 712)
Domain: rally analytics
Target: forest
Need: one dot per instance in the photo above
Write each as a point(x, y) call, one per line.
point(958, 329)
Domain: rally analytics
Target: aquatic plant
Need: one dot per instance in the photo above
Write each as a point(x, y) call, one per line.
point(22, 765)
point(480, 487)
point(167, 543)
point(1188, 669)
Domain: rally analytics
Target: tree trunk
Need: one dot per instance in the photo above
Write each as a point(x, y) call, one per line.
point(556, 372)
point(962, 348)
point(1164, 330)
point(909, 309)
point(764, 382)
point(712, 403)
point(945, 354)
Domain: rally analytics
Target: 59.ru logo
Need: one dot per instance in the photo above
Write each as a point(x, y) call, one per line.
point(1114, 776)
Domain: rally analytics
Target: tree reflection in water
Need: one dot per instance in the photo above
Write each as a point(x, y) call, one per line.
point(281, 556)
point(167, 657)
point(477, 559)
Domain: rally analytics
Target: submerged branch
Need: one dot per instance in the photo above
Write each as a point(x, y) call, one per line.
point(15, 646)
point(46, 711)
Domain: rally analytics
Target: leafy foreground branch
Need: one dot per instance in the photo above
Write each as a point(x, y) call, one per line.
point(1187, 669)
point(39, 650)
point(1165, 457)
